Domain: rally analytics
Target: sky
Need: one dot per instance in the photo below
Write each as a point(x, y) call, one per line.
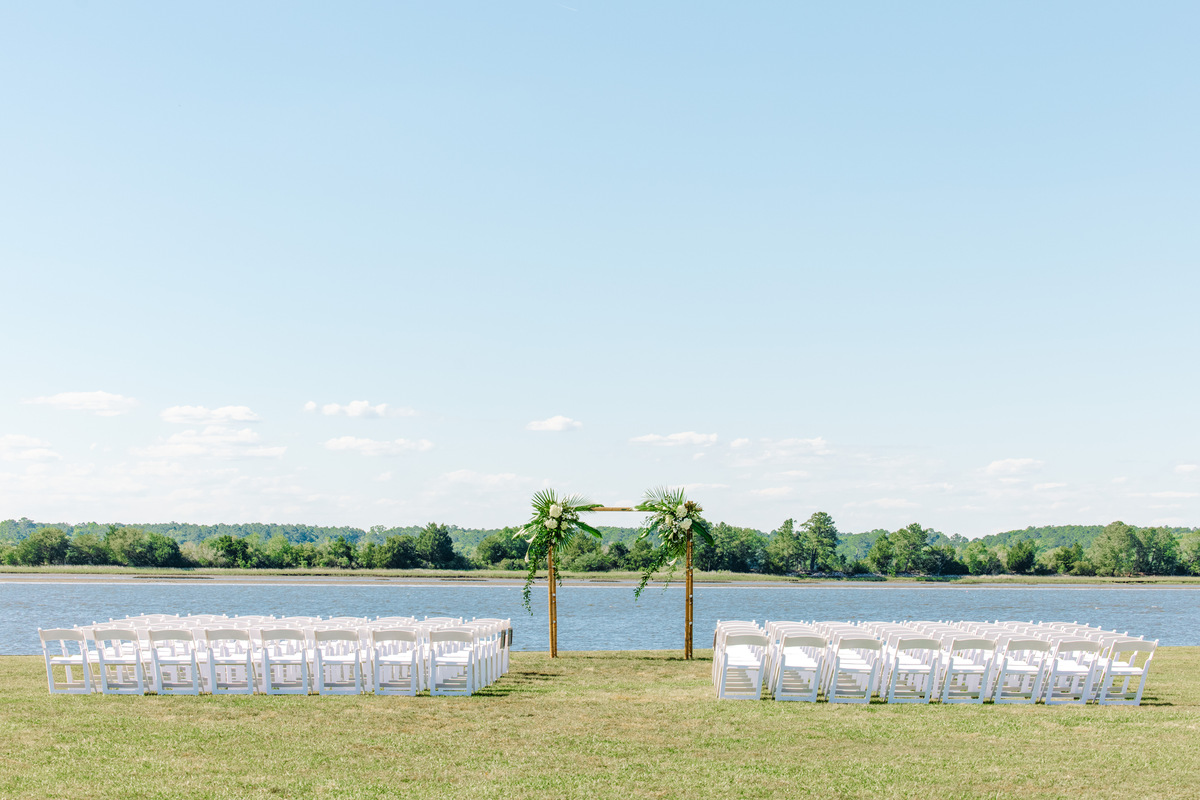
point(387, 263)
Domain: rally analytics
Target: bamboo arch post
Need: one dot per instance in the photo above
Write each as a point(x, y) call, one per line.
point(553, 605)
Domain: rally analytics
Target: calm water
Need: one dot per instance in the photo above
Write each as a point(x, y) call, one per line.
point(600, 617)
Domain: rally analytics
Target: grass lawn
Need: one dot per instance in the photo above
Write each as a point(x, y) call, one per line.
point(593, 725)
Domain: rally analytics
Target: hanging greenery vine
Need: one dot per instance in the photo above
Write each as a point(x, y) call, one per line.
point(555, 522)
point(674, 518)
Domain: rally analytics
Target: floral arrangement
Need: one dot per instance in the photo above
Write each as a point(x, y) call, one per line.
point(555, 522)
point(675, 519)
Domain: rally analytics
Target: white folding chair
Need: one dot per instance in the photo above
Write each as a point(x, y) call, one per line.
point(119, 657)
point(798, 668)
point(397, 661)
point(1022, 671)
point(1072, 672)
point(173, 655)
point(743, 664)
point(451, 662)
point(284, 661)
point(855, 665)
point(230, 658)
point(338, 662)
point(967, 674)
point(1126, 666)
point(73, 659)
point(913, 670)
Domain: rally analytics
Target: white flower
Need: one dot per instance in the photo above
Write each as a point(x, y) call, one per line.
point(556, 510)
point(681, 511)
point(686, 524)
point(551, 524)
point(668, 519)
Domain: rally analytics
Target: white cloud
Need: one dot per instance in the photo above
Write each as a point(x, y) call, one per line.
point(774, 491)
point(198, 415)
point(377, 447)
point(1174, 494)
point(780, 451)
point(1041, 487)
point(361, 408)
point(701, 487)
point(104, 404)
point(736, 443)
point(886, 502)
point(16, 447)
point(1013, 466)
point(215, 441)
point(483, 480)
point(674, 439)
point(556, 423)
point(1187, 467)
point(384, 477)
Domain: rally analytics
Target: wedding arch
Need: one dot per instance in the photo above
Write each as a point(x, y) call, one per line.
point(556, 521)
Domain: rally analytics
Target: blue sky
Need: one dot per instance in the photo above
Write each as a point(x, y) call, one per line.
point(388, 263)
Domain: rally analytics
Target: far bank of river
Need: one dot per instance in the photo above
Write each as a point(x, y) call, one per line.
point(508, 578)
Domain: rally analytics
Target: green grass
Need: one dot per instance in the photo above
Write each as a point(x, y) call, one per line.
point(595, 725)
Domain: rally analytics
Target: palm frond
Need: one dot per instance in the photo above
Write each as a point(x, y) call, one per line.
point(583, 526)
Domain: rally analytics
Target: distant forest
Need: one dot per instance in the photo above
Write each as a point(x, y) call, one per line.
point(814, 547)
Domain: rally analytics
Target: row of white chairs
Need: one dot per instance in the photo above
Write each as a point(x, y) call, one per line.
point(922, 661)
point(169, 654)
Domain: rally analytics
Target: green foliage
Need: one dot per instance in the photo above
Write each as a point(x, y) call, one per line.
point(1021, 556)
point(44, 546)
point(732, 550)
point(882, 555)
point(435, 547)
point(554, 523)
point(674, 520)
point(785, 551)
point(820, 541)
point(910, 546)
point(981, 559)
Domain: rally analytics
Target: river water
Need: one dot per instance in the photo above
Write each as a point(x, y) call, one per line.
point(597, 617)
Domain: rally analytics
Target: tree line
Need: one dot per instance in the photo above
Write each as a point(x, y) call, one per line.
point(814, 547)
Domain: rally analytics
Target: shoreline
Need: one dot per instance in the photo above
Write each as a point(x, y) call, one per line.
point(370, 578)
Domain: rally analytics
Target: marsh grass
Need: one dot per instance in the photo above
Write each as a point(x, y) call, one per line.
point(593, 725)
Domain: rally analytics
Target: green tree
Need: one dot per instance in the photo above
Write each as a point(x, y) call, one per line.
point(733, 550)
point(820, 537)
point(981, 559)
point(911, 544)
point(435, 547)
point(233, 550)
point(340, 553)
point(1021, 556)
point(88, 548)
point(1189, 553)
point(44, 546)
point(1116, 551)
point(882, 556)
point(1159, 551)
point(397, 552)
point(641, 556)
point(500, 546)
point(1063, 559)
point(784, 552)
point(942, 559)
